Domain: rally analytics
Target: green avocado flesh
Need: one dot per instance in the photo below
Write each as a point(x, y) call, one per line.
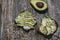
point(25, 19)
point(47, 26)
point(39, 5)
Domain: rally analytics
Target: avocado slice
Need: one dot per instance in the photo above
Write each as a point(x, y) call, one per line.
point(25, 20)
point(40, 5)
point(47, 26)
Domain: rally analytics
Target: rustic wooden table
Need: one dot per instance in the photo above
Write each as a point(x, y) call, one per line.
point(9, 9)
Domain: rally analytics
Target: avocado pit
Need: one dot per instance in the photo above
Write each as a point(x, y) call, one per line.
point(40, 4)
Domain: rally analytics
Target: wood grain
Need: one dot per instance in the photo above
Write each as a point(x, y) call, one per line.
point(11, 9)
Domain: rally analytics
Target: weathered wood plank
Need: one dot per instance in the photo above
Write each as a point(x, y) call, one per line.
point(7, 20)
point(0, 1)
point(0, 24)
point(11, 9)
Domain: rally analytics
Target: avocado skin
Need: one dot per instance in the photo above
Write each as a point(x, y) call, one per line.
point(33, 3)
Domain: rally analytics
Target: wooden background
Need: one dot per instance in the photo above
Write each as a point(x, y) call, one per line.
point(9, 9)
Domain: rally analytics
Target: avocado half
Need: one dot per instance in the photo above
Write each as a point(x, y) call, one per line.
point(39, 5)
point(47, 26)
point(25, 20)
